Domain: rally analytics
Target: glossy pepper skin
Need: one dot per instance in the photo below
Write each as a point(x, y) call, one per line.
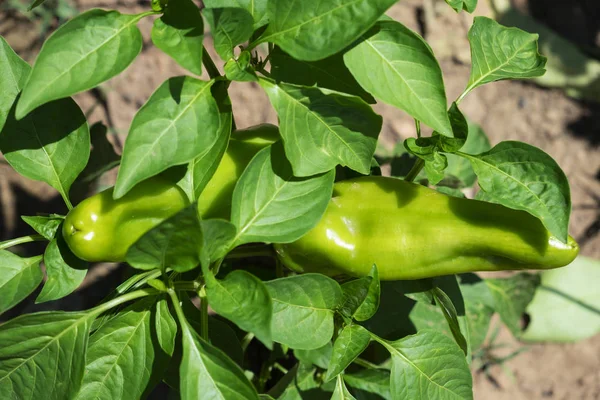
point(412, 232)
point(215, 199)
point(102, 229)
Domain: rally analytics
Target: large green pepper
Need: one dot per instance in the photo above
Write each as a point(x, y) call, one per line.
point(102, 229)
point(412, 232)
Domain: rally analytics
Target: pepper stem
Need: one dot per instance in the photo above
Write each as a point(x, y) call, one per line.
point(24, 239)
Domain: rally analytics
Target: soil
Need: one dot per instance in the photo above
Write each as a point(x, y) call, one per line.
point(567, 129)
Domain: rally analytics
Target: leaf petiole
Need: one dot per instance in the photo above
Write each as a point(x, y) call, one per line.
point(23, 239)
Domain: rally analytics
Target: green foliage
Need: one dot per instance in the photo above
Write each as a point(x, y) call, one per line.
point(321, 337)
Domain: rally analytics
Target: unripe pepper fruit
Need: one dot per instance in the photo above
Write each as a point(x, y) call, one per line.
point(102, 229)
point(410, 232)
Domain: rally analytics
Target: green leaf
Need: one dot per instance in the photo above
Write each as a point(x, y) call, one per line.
point(435, 168)
point(18, 278)
point(175, 243)
point(315, 29)
point(303, 310)
point(229, 27)
point(566, 306)
point(86, 51)
point(321, 128)
point(180, 122)
point(350, 343)
point(523, 177)
point(449, 311)
point(45, 226)
point(256, 8)
point(498, 52)
point(355, 293)
point(102, 157)
point(477, 142)
point(218, 238)
point(341, 391)
point(243, 299)
point(329, 73)
point(479, 308)
point(375, 381)
point(241, 69)
point(459, 5)
point(201, 169)
point(429, 365)
point(370, 304)
point(43, 355)
point(65, 272)
point(511, 297)
point(179, 33)
point(268, 186)
point(319, 357)
point(52, 144)
point(13, 75)
point(396, 65)
point(165, 327)
point(122, 355)
point(207, 373)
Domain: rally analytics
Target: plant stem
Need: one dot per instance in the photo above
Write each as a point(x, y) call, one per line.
point(418, 127)
point(178, 310)
point(210, 66)
point(123, 299)
point(188, 286)
point(203, 314)
point(23, 239)
point(412, 174)
point(246, 341)
point(365, 363)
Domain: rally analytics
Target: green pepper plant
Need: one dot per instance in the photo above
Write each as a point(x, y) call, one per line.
point(324, 280)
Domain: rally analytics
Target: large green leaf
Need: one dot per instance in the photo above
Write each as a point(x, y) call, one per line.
point(523, 177)
point(179, 33)
point(43, 355)
point(498, 52)
point(429, 365)
point(13, 75)
point(321, 128)
point(256, 8)
point(180, 122)
point(207, 373)
point(229, 27)
point(175, 243)
point(243, 299)
point(88, 50)
point(65, 272)
point(51, 144)
point(396, 65)
point(303, 310)
point(314, 29)
point(122, 355)
point(566, 306)
point(267, 187)
point(18, 278)
point(329, 73)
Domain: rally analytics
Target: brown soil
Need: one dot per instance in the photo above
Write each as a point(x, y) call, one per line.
point(567, 129)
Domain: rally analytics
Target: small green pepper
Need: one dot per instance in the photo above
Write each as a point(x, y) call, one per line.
point(102, 229)
point(412, 232)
